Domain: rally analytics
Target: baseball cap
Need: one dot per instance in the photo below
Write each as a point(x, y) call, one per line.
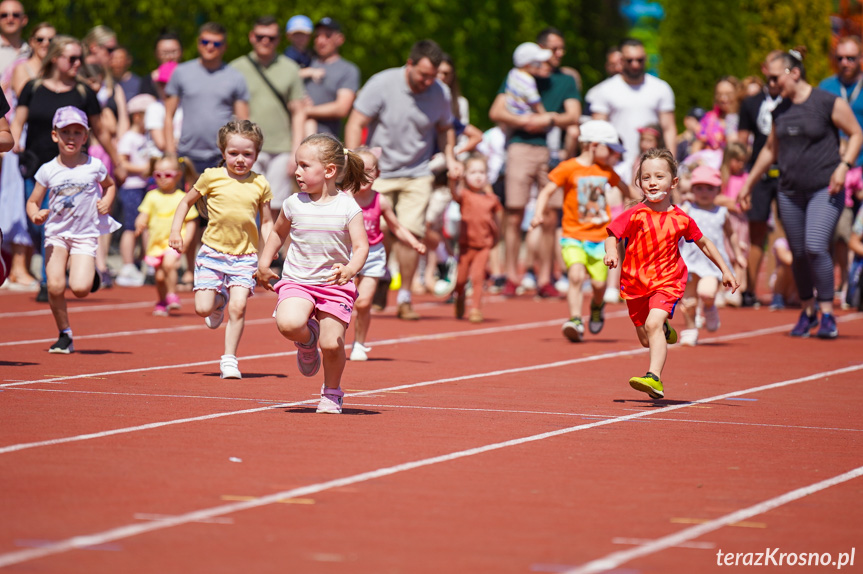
point(706, 175)
point(600, 131)
point(140, 103)
point(329, 23)
point(530, 53)
point(69, 115)
point(299, 23)
point(697, 113)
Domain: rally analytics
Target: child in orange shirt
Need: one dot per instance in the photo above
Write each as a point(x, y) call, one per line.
point(586, 212)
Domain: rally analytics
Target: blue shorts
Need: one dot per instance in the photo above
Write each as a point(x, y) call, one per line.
point(214, 269)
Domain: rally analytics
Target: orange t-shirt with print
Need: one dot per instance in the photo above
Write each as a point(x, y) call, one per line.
point(585, 209)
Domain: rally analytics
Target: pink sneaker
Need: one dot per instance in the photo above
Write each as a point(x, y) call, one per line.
point(161, 309)
point(173, 301)
point(308, 357)
point(331, 401)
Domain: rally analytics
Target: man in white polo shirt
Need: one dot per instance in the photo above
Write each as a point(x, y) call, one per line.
point(408, 113)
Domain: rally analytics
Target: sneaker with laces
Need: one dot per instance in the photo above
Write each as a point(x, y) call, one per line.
point(215, 318)
point(528, 282)
point(689, 337)
point(711, 318)
point(805, 324)
point(670, 333)
point(828, 328)
point(229, 368)
point(597, 318)
point(172, 301)
point(331, 401)
point(130, 276)
point(308, 357)
point(573, 329)
point(160, 309)
point(359, 352)
point(63, 345)
point(509, 289)
point(612, 295)
point(649, 384)
point(777, 303)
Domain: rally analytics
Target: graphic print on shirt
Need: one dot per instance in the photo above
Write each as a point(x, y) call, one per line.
point(63, 197)
point(592, 206)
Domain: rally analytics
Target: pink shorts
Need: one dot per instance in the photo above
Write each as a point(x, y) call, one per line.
point(337, 300)
point(640, 308)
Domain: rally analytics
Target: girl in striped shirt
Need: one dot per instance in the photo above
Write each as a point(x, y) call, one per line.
point(328, 248)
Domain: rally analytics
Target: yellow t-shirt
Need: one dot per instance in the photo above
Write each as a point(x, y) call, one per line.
point(233, 207)
point(160, 208)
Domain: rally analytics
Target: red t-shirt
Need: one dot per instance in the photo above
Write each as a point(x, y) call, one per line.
point(652, 260)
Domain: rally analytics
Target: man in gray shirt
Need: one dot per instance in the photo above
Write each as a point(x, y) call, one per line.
point(408, 113)
point(210, 93)
point(334, 93)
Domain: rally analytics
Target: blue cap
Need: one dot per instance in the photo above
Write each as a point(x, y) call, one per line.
point(329, 23)
point(299, 24)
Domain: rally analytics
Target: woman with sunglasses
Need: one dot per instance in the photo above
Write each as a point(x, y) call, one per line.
point(24, 70)
point(805, 144)
point(57, 86)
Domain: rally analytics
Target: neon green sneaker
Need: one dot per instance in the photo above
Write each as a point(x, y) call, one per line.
point(649, 384)
point(670, 333)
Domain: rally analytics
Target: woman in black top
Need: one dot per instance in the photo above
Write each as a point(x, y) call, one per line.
point(805, 144)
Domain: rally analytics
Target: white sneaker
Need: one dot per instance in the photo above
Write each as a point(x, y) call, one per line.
point(229, 367)
point(217, 316)
point(359, 352)
point(562, 284)
point(528, 282)
point(129, 276)
point(611, 295)
point(689, 337)
point(711, 318)
point(331, 401)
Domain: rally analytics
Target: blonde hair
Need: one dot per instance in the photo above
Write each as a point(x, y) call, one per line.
point(656, 153)
point(734, 150)
point(476, 156)
point(184, 165)
point(350, 165)
point(366, 151)
point(243, 128)
point(55, 50)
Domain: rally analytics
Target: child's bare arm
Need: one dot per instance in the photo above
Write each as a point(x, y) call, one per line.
point(731, 234)
point(109, 191)
point(398, 229)
point(709, 249)
point(266, 224)
point(36, 215)
point(542, 203)
point(175, 240)
point(142, 222)
point(342, 274)
point(611, 259)
point(279, 232)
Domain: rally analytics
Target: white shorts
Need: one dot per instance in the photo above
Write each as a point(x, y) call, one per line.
point(74, 245)
point(376, 262)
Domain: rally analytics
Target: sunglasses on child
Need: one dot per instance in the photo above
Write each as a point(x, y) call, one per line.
point(164, 174)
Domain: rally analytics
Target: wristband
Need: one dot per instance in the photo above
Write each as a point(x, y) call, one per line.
point(847, 164)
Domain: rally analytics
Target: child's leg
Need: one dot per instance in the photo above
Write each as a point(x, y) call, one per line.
point(653, 329)
point(236, 318)
point(292, 316)
point(55, 272)
point(477, 275)
point(690, 300)
point(707, 288)
point(332, 342)
point(363, 306)
point(575, 296)
point(82, 268)
point(170, 265)
point(161, 283)
point(465, 256)
point(205, 302)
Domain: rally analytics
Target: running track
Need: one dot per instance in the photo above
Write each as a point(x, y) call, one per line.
point(462, 448)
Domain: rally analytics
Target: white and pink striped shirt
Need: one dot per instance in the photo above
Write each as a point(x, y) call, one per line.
point(319, 236)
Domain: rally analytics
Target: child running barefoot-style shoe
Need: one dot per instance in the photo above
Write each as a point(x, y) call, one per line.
point(215, 318)
point(308, 357)
point(711, 318)
point(573, 329)
point(805, 324)
point(160, 309)
point(331, 401)
point(649, 384)
point(689, 337)
point(359, 352)
point(63, 345)
point(229, 367)
point(670, 333)
point(597, 318)
point(172, 301)
point(828, 328)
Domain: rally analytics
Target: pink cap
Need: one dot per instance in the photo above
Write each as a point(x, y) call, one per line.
point(706, 175)
point(165, 71)
point(68, 116)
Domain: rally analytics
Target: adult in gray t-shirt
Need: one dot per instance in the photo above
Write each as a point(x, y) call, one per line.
point(210, 94)
point(334, 93)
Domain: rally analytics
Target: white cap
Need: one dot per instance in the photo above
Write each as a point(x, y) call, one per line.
point(529, 53)
point(600, 131)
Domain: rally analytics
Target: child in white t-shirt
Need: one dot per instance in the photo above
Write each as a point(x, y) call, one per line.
point(520, 92)
point(80, 193)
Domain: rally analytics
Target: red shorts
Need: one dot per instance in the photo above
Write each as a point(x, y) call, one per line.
point(639, 308)
point(337, 300)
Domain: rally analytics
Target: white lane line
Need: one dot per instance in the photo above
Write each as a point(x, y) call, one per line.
point(150, 426)
point(640, 541)
point(128, 531)
point(616, 559)
point(80, 309)
point(383, 342)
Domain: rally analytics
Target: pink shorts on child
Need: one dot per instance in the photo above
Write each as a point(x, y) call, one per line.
point(639, 308)
point(337, 300)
